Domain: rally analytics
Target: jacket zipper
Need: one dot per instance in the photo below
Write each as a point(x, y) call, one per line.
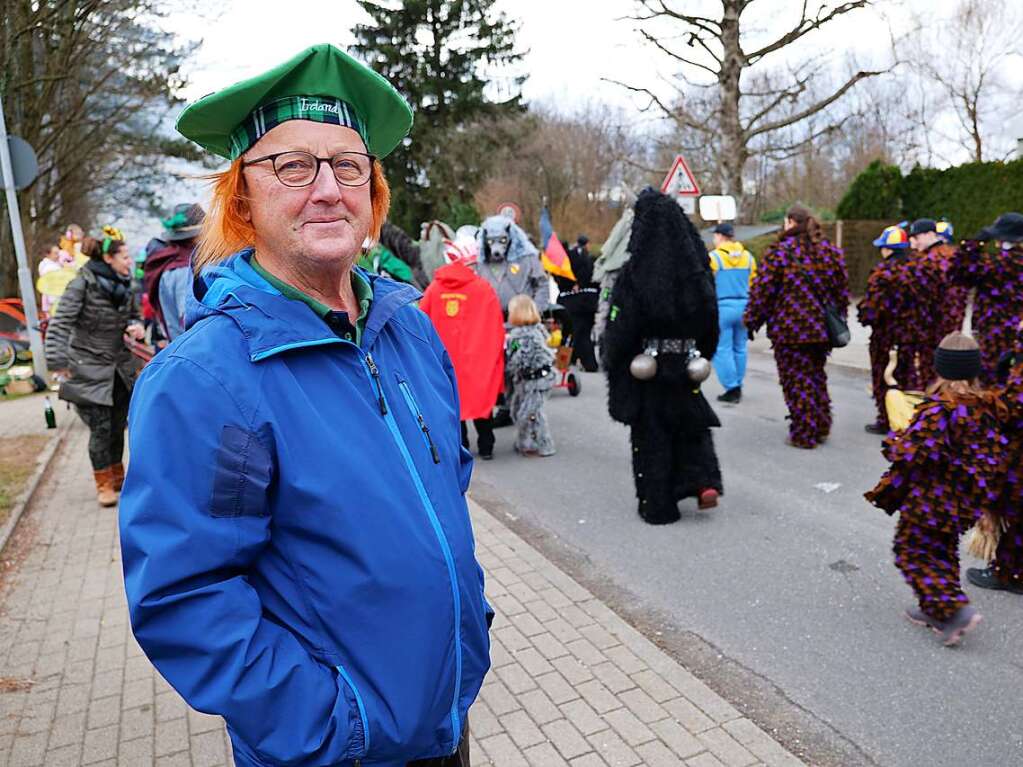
point(362, 711)
point(445, 547)
point(373, 371)
point(418, 415)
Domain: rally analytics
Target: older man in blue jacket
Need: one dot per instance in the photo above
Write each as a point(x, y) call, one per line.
point(297, 548)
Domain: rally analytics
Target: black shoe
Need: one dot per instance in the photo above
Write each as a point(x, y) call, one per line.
point(732, 396)
point(875, 428)
point(985, 578)
point(486, 456)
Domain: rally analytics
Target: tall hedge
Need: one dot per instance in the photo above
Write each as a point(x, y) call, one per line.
point(874, 194)
point(970, 196)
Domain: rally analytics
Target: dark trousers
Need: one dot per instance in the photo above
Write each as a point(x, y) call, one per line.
point(929, 561)
point(669, 464)
point(106, 427)
point(581, 327)
point(804, 385)
point(484, 435)
point(458, 759)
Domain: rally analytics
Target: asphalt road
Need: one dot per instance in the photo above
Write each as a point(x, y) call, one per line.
point(785, 597)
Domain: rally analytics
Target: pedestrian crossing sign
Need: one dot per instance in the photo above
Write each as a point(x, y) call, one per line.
point(680, 181)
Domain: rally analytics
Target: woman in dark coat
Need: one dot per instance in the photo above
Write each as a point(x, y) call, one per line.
point(85, 345)
point(798, 276)
point(663, 302)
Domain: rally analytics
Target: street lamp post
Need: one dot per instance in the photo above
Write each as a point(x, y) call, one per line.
point(28, 294)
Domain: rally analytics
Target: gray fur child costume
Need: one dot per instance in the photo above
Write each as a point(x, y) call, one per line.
point(664, 294)
point(530, 368)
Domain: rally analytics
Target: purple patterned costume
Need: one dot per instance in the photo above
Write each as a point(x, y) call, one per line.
point(998, 305)
point(1008, 564)
point(947, 468)
point(796, 277)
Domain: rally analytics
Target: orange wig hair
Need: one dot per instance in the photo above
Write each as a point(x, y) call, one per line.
point(227, 229)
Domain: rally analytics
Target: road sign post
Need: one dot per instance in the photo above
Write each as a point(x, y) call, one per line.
point(681, 184)
point(28, 295)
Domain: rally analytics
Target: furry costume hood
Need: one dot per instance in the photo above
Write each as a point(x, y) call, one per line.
point(669, 262)
point(519, 246)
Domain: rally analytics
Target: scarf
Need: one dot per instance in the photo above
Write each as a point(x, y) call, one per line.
point(111, 284)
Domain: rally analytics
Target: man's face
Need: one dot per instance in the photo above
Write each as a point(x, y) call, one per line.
point(719, 240)
point(324, 221)
point(923, 241)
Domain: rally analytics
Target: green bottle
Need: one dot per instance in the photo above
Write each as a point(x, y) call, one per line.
point(51, 417)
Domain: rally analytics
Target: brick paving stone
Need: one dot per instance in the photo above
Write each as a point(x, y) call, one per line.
point(677, 738)
point(540, 707)
point(522, 729)
point(589, 760)
point(627, 724)
point(544, 755)
point(582, 715)
point(572, 683)
point(613, 749)
point(516, 678)
point(726, 748)
point(566, 738)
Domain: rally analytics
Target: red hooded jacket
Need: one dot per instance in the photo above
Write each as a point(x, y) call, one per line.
point(467, 314)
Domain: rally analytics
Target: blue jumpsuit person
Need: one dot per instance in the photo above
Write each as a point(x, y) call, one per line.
point(734, 268)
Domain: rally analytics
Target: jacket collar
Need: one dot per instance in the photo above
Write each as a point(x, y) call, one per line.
point(271, 323)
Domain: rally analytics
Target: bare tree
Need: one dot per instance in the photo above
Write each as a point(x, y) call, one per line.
point(581, 163)
point(968, 67)
point(745, 115)
point(90, 84)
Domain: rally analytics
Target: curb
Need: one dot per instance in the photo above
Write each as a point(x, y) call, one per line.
point(28, 494)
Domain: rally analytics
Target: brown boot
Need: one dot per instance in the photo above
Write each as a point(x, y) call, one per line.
point(117, 471)
point(105, 493)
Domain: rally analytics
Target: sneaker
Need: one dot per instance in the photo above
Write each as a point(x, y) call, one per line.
point(732, 396)
point(965, 620)
point(985, 578)
point(707, 499)
point(875, 428)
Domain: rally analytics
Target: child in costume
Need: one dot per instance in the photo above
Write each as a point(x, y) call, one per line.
point(530, 367)
point(947, 469)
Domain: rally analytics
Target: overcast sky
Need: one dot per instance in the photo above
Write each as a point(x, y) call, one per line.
point(572, 44)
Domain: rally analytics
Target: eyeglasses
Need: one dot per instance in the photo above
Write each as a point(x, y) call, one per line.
point(297, 169)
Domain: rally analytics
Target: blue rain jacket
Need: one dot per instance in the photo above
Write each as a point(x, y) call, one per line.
point(298, 555)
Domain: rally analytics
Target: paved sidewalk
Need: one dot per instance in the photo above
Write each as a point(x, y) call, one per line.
point(572, 683)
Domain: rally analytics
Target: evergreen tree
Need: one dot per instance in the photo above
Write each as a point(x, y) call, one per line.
point(443, 56)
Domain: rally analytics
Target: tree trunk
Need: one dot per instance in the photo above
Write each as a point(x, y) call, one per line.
point(733, 144)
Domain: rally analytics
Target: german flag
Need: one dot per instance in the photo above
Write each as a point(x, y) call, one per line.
point(555, 259)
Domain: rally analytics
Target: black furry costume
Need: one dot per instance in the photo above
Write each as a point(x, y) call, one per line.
point(665, 291)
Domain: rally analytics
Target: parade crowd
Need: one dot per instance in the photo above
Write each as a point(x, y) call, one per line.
point(300, 374)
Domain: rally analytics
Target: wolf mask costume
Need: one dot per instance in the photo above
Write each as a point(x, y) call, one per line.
point(511, 263)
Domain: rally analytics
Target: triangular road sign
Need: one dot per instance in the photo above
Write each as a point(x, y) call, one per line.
point(680, 180)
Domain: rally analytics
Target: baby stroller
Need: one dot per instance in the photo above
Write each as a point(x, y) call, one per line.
point(562, 345)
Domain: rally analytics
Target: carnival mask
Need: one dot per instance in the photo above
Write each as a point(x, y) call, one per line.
point(497, 245)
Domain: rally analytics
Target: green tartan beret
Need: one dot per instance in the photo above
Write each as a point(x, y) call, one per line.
point(322, 83)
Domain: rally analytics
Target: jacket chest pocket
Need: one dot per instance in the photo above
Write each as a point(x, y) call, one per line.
point(417, 415)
